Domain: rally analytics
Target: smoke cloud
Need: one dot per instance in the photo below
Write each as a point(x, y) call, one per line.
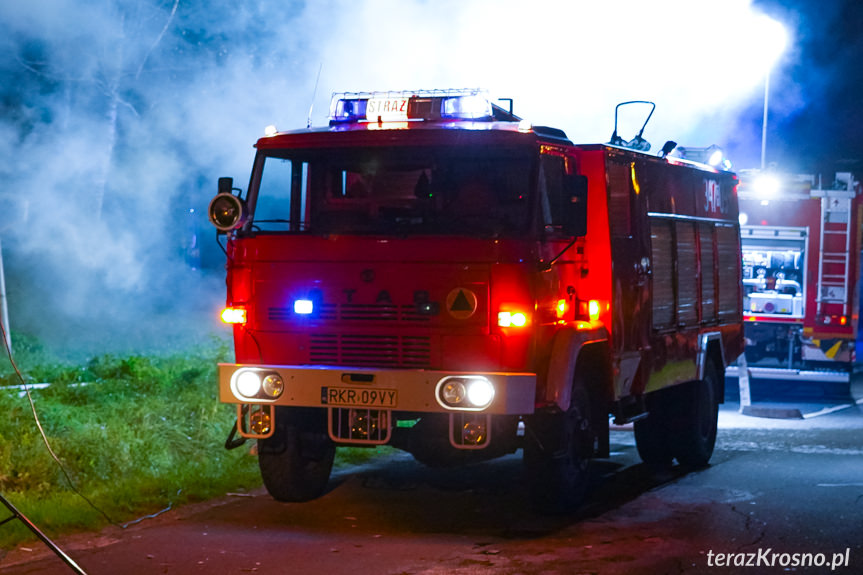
point(117, 117)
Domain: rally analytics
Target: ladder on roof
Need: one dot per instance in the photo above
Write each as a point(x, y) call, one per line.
point(833, 265)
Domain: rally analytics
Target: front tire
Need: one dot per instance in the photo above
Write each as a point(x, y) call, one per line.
point(296, 461)
point(557, 455)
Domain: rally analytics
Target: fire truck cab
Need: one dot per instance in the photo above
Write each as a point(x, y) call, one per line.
point(431, 272)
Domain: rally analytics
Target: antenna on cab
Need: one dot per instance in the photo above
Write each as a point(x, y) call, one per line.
point(314, 93)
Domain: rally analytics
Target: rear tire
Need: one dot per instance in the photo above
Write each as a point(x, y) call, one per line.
point(296, 461)
point(653, 439)
point(682, 423)
point(695, 436)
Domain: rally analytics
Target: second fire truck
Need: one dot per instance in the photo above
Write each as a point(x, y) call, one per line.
point(433, 273)
point(801, 242)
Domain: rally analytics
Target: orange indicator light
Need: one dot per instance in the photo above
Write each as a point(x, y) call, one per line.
point(593, 310)
point(511, 319)
point(234, 315)
point(561, 308)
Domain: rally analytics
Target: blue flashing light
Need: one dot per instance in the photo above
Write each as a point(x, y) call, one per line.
point(348, 110)
point(304, 307)
point(466, 107)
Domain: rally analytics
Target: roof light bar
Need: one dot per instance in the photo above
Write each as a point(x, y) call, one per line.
point(712, 156)
point(427, 105)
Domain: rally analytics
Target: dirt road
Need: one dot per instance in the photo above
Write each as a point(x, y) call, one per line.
point(787, 490)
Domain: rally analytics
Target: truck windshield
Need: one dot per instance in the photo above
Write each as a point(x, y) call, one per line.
point(389, 190)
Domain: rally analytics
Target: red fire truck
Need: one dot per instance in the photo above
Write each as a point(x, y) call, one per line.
point(433, 273)
point(801, 264)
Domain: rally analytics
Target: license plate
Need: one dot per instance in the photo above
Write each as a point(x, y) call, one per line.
point(387, 109)
point(358, 397)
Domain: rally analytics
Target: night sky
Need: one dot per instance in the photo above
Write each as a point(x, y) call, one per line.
point(815, 119)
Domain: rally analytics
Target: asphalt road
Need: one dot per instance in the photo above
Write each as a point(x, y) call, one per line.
point(782, 495)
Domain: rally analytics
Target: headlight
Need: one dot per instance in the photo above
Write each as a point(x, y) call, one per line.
point(253, 384)
point(465, 392)
point(247, 383)
point(273, 386)
point(453, 392)
point(480, 392)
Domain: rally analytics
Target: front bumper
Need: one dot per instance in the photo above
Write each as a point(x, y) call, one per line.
point(390, 389)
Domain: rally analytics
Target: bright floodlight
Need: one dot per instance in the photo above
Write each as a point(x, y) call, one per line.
point(715, 158)
point(766, 186)
point(769, 40)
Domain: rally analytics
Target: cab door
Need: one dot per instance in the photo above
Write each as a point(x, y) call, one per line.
point(561, 231)
point(631, 265)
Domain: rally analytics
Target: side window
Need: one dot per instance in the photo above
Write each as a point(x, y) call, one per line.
point(280, 180)
point(274, 193)
point(552, 170)
point(619, 199)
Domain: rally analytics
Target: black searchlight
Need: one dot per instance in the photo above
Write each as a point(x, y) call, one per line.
point(227, 212)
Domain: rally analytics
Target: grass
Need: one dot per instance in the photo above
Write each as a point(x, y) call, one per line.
point(135, 434)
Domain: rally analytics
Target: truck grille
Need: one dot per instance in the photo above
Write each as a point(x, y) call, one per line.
point(357, 312)
point(370, 350)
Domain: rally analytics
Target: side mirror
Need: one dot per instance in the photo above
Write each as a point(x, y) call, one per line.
point(226, 185)
point(575, 205)
point(226, 211)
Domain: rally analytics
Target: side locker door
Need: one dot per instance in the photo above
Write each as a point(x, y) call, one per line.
point(630, 271)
